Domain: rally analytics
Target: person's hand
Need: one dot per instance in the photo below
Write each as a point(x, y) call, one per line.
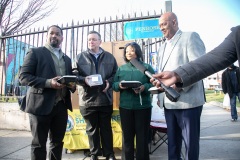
point(72, 86)
point(176, 88)
point(107, 86)
point(55, 84)
point(87, 80)
point(168, 78)
point(120, 86)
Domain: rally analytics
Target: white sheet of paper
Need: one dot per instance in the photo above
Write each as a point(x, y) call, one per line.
point(157, 112)
point(94, 79)
point(157, 124)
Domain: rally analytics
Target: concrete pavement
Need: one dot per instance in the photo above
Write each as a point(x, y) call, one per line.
point(220, 140)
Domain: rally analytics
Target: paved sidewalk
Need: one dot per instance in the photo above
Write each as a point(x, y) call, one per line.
point(220, 140)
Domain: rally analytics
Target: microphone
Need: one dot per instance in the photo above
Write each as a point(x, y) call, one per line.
point(171, 94)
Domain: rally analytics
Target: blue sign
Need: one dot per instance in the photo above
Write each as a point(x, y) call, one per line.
point(142, 29)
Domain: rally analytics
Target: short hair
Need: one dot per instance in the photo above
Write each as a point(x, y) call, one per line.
point(138, 51)
point(95, 32)
point(56, 27)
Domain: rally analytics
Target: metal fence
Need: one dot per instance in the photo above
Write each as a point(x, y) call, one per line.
point(14, 47)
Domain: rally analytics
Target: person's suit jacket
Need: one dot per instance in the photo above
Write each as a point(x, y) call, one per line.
point(185, 47)
point(38, 66)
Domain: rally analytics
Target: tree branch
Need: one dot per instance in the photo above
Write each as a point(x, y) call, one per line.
point(11, 21)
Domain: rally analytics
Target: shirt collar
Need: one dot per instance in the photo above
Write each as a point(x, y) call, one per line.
point(96, 54)
point(171, 40)
point(54, 50)
point(48, 46)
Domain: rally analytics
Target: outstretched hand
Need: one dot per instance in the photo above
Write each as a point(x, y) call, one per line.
point(168, 78)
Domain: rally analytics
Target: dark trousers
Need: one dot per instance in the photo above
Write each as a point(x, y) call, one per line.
point(233, 101)
point(98, 128)
point(135, 124)
point(183, 124)
point(52, 125)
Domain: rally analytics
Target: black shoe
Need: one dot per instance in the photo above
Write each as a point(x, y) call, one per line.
point(87, 152)
point(94, 157)
point(233, 120)
point(111, 157)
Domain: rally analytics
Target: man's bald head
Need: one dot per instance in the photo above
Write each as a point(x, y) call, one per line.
point(168, 24)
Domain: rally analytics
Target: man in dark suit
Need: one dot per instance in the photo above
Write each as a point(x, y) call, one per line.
point(47, 100)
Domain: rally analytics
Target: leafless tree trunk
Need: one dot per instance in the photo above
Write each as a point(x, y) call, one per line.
point(17, 15)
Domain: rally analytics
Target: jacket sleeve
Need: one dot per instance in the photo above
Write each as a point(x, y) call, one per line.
point(80, 77)
point(195, 49)
point(115, 84)
point(115, 68)
point(28, 71)
point(224, 86)
point(217, 59)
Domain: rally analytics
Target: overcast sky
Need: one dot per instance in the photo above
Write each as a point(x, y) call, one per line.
point(212, 19)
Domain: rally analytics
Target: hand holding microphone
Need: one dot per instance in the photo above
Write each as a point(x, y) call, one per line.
point(171, 94)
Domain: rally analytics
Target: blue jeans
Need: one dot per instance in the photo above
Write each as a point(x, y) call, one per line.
point(233, 105)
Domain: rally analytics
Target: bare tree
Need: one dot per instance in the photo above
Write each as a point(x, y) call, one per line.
point(17, 15)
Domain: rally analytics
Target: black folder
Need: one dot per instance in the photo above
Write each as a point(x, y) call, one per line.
point(67, 80)
point(131, 84)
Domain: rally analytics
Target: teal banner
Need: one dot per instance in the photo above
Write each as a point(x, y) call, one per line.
point(142, 29)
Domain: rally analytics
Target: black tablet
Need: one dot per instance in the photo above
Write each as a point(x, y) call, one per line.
point(67, 80)
point(131, 84)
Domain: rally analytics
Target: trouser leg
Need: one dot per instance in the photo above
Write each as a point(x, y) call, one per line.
point(174, 134)
point(105, 115)
point(91, 117)
point(142, 125)
point(57, 131)
point(128, 133)
point(39, 128)
point(190, 124)
point(233, 100)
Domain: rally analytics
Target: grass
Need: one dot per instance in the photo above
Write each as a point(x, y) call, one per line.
point(218, 97)
point(212, 96)
point(4, 99)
